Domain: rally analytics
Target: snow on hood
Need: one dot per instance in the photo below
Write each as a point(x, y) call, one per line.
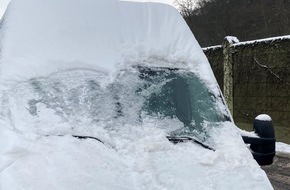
point(136, 158)
point(41, 40)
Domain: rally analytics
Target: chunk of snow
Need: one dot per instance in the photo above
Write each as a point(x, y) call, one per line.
point(248, 133)
point(263, 117)
point(232, 39)
point(282, 147)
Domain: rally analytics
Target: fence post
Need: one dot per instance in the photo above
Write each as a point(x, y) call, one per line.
point(228, 50)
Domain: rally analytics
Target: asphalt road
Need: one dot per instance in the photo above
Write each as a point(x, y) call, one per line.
point(279, 171)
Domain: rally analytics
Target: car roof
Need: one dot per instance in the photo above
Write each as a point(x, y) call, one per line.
point(41, 37)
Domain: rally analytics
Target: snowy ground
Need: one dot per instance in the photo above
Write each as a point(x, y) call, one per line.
point(282, 147)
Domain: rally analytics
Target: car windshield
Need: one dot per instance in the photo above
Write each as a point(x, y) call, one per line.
point(182, 95)
point(78, 101)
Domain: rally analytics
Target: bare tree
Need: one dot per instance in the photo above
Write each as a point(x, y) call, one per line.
point(186, 7)
point(212, 20)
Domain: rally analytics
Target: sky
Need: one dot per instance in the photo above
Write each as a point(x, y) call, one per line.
point(162, 1)
point(4, 3)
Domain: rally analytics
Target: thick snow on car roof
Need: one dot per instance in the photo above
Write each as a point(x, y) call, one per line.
point(40, 37)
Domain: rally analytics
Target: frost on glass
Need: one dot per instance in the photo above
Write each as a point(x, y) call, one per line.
point(181, 95)
point(80, 101)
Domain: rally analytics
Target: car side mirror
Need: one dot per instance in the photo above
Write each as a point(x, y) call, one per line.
point(263, 146)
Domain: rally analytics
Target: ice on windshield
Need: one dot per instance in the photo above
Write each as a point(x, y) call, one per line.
point(79, 101)
point(181, 95)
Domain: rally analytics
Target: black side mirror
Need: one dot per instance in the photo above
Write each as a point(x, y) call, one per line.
point(263, 146)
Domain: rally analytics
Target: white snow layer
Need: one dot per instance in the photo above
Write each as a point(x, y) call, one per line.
point(264, 40)
point(282, 147)
point(43, 42)
point(232, 39)
point(3, 6)
point(248, 133)
point(263, 117)
point(212, 47)
point(97, 34)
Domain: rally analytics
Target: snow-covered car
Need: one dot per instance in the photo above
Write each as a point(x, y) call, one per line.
point(107, 94)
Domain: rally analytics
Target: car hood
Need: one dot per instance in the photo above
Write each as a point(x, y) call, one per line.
point(132, 158)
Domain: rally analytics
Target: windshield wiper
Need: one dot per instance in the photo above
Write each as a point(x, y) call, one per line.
point(87, 137)
point(94, 138)
point(176, 140)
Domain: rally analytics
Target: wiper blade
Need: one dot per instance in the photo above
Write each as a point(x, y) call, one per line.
point(94, 138)
point(176, 140)
point(88, 137)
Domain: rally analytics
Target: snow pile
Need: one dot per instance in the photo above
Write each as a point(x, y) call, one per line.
point(282, 147)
